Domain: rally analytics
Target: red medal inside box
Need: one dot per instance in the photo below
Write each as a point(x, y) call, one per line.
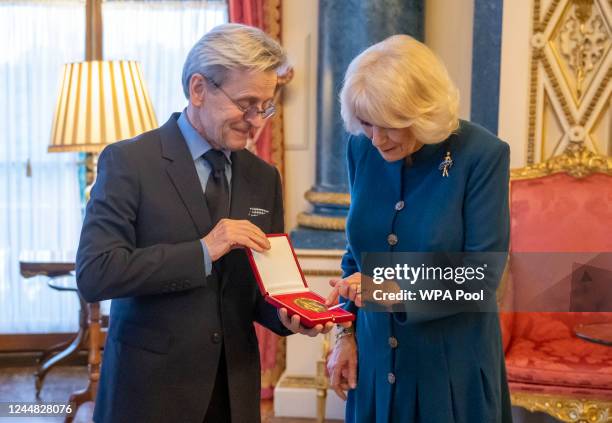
point(282, 283)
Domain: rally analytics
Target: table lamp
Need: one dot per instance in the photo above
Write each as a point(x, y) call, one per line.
point(100, 102)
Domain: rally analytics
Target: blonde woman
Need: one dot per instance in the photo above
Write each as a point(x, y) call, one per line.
point(421, 180)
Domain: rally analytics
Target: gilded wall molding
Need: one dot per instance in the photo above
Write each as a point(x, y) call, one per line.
point(580, 43)
point(299, 382)
point(323, 273)
point(556, 88)
point(565, 409)
point(321, 222)
point(598, 94)
point(335, 198)
point(570, 77)
point(576, 161)
point(304, 255)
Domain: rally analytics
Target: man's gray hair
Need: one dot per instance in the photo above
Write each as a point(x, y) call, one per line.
point(232, 46)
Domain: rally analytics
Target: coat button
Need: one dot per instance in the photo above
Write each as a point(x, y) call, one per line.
point(216, 338)
point(391, 378)
point(392, 239)
point(399, 205)
point(393, 342)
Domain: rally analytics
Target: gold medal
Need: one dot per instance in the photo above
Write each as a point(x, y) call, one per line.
point(310, 304)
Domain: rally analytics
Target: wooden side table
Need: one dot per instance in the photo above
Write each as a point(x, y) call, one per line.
point(90, 328)
point(61, 352)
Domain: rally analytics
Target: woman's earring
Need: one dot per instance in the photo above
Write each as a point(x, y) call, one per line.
point(446, 164)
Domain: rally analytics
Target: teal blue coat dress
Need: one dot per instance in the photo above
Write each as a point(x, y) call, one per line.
point(420, 367)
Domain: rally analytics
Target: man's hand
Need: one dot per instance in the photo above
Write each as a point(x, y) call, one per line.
point(342, 366)
point(293, 324)
point(228, 234)
point(349, 288)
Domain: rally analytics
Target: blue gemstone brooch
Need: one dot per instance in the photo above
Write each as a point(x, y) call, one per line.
point(446, 164)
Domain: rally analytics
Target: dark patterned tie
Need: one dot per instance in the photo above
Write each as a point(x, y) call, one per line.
point(217, 188)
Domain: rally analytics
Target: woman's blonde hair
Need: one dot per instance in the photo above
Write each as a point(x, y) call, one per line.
point(400, 83)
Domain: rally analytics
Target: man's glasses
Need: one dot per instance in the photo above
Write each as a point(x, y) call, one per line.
point(250, 112)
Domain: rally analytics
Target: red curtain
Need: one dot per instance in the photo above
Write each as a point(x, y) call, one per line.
point(248, 12)
point(251, 12)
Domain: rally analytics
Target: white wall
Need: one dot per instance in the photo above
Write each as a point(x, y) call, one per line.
point(448, 32)
point(514, 84)
point(299, 34)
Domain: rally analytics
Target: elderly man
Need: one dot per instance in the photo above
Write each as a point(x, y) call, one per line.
point(166, 217)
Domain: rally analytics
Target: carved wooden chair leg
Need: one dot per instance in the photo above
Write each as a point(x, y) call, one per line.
point(321, 380)
point(93, 366)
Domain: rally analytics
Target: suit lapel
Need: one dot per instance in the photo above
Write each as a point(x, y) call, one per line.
point(244, 184)
point(183, 174)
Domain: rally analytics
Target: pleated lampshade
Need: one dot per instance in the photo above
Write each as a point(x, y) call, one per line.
point(100, 102)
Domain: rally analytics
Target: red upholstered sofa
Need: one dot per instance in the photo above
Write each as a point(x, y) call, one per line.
point(561, 205)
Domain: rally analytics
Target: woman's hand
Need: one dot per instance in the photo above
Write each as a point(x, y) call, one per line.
point(349, 288)
point(342, 366)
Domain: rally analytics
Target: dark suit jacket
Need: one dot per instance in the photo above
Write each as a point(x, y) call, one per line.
point(140, 245)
